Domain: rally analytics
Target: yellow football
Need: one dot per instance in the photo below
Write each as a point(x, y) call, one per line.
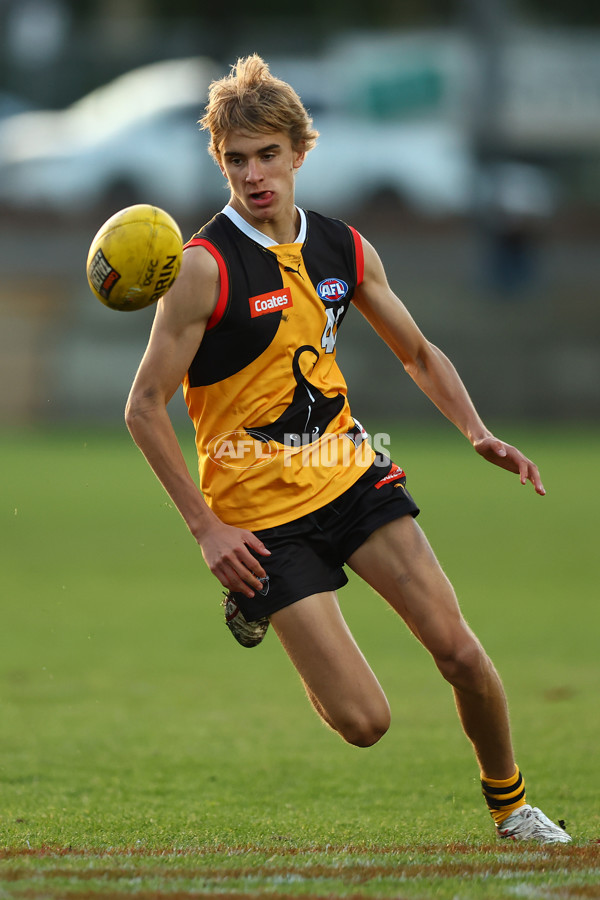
point(135, 257)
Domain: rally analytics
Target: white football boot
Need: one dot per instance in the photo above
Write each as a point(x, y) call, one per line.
point(530, 824)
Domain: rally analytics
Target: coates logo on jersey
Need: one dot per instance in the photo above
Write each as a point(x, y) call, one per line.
point(330, 290)
point(271, 302)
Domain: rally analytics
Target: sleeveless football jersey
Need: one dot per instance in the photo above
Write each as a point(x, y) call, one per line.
point(274, 433)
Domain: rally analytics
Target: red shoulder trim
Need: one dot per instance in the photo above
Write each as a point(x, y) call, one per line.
point(219, 309)
point(360, 256)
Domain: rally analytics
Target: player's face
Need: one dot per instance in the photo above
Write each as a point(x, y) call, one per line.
point(260, 169)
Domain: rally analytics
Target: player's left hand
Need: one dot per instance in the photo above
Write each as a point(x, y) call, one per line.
point(511, 459)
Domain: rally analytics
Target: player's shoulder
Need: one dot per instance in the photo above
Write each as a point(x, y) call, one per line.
point(193, 296)
point(324, 231)
point(320, 221)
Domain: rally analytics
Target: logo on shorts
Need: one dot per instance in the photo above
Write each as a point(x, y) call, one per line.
point(330, 290)
point(270, 302)
point(393, 475)
point(265, 586)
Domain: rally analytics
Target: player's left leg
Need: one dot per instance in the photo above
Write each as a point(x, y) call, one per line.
point(399, 563)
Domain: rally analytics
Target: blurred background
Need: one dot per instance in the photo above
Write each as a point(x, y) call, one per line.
point(462, 137)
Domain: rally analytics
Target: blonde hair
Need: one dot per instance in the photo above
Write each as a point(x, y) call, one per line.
point(252, 100)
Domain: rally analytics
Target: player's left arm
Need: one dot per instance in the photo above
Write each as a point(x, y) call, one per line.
point(431, 369)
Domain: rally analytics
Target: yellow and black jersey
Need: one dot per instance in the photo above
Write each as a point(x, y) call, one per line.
point(274, 433)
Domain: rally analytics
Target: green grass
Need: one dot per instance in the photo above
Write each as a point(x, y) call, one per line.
point(144, 754)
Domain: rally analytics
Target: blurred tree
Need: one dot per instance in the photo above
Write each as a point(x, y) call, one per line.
point(560, 12)
point(107, 37)
point(357, 13)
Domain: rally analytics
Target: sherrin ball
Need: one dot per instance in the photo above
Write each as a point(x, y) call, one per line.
point(135, 257)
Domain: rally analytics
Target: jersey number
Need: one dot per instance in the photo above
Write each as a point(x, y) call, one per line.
point(329, 336)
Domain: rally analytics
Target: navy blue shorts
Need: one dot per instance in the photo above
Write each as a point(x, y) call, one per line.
point(308, 554)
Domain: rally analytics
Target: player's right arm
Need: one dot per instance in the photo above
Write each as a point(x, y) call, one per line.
point(179, 326)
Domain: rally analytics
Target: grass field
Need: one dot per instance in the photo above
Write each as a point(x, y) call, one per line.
point(144, 754)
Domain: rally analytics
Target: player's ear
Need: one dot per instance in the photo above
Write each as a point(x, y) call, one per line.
point(299, 157)
point(218, 157)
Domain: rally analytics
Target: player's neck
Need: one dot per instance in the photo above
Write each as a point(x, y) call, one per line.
point(259, 237)
point(281, 229)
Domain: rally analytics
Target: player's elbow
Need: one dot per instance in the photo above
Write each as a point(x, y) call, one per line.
point(422, 360)
point(131, 419)
point(138, 407)
point(131, 411)
point(415, 366)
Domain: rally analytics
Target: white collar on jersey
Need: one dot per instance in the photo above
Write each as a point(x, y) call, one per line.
point(257, 235)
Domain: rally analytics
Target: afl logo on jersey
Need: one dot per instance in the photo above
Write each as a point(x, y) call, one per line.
point(332, 289)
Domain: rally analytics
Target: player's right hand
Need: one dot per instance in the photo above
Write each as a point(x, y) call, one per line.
point(226, 551)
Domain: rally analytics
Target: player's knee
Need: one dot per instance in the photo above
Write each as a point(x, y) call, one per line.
point(365, 730)
point(464, 665)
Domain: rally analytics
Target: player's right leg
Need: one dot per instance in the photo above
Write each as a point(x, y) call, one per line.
point(338, 680)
